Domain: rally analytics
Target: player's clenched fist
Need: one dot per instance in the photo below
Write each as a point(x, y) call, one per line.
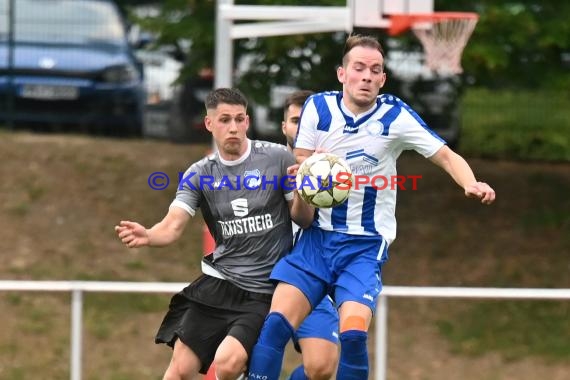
point(132, 234)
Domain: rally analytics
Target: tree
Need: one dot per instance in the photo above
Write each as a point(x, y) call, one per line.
point(306, 60)
point(517, 44)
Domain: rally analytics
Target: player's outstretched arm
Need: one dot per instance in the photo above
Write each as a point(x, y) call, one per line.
point(482, 191)
point(132, 234)
point(167, 231)
point(461, 172)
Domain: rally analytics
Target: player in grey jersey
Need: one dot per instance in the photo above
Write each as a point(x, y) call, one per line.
point(247, 206)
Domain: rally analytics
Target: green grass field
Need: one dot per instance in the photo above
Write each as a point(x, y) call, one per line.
point(62, 194)
point(522, 125)
point(514, 328)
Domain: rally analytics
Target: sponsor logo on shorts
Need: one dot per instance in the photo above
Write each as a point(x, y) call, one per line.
point(255, 376)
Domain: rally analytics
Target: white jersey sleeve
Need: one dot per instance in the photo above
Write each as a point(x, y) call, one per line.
point(307, 131)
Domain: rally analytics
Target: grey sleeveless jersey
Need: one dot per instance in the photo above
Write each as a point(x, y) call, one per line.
point(244, 204)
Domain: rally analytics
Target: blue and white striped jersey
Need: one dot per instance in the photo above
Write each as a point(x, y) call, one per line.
point(371, 143)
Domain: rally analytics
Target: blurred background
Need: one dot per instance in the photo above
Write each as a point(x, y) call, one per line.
point(142, 68)
point(95, 95)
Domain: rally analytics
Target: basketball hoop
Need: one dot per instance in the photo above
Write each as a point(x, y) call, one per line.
point(443, 36)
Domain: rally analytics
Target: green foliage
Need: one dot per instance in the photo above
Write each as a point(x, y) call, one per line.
point(192, 20)
point(306, 60)
point(526, 125)
point(515, 44)
point(515, 328)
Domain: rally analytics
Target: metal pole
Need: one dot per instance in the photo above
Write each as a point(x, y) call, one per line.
point(10, 98)
point(382, 338)
point(224, 48)
point(76, 330)
point(224, 52)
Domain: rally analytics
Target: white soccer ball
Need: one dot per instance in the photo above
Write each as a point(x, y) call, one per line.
point(324, 180)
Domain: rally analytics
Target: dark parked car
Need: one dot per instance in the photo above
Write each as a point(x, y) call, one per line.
point(72, 64)
point(180, 117)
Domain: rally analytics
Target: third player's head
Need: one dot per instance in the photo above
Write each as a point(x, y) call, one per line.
point(362, 72)
point(227, 120)
point(291, 114)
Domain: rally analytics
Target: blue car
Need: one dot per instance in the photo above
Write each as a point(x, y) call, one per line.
point(70, 64)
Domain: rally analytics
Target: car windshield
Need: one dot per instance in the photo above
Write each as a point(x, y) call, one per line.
point(62, 21)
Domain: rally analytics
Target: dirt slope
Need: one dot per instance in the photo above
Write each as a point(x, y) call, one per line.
point(61, 195)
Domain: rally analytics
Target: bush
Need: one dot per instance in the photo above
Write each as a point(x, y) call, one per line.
point(522, 125)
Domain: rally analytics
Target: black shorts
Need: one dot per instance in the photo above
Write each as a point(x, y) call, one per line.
point(208, 310)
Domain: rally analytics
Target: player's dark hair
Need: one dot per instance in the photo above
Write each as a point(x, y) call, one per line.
point(297, 98)
point(225, 96)
point(355, 40)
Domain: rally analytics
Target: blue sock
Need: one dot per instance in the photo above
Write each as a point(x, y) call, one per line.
point(353, 364)
point(298, 374)
point(267, 355)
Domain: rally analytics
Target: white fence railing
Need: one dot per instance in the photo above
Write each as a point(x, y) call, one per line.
point(77, 288)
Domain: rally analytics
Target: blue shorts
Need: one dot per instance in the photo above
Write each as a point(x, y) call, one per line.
point(348, 267)
point(321, 323)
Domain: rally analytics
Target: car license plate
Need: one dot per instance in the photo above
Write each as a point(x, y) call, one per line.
point(47, 92)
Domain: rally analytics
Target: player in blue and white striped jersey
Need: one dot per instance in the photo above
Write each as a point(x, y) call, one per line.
point(317, 337)
point(342, 253)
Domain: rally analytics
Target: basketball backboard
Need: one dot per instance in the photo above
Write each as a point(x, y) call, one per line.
point(376, 13)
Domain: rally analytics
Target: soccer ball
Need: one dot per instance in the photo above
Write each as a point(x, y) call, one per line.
point(324, 180)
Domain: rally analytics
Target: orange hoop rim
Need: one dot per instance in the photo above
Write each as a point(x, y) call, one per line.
point(399, 23)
